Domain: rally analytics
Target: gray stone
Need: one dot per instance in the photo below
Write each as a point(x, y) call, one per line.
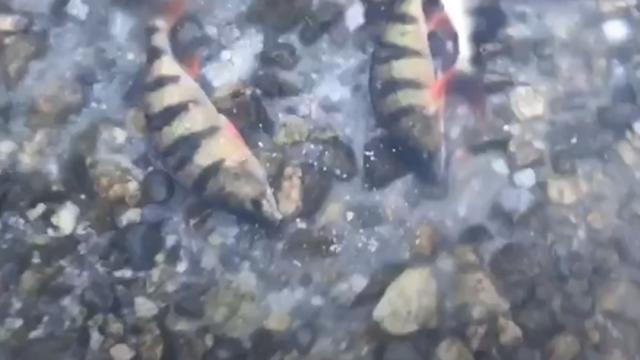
point(619, 298)
point(564, 346)
point(145, 308)
point(409, 303)
point(453, 349)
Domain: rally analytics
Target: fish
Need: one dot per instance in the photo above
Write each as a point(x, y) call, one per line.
point(472, 24)
point(199, 146)
point(401, 76)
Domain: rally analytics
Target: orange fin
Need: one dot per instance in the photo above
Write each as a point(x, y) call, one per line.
point(440, 22)
point(233, 131)
point(174, 10)
point(467, 86)
point(192, 65)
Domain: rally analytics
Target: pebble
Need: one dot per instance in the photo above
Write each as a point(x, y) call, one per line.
point(78, 9)
point(509, 334)
point(157, 187)
point(476, 288)
point(528, 103)
point(18, 52)
point(292, 130)
point(277, 84)
point(617, 298)
point(409, 303)
point(121, 352)
point(144, 308)
point(64, 219)
point(327, 14)
point(564, 346)
point(280, 15)
point(226, 348)
point(563, 190)
point(290, 194)
point(12, 23)
point(427, 239)
point(354, 15)
point(278, 322)
point(141, 243)
point(305, 338)
point(280, 54)
point(55, 101)
point(617, 31)
point(525, 178)
point(128, 217)
point(453, 349)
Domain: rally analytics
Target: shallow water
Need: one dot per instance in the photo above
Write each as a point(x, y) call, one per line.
point(533, 252)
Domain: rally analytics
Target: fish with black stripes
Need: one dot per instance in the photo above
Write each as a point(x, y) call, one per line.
point(401, 79)
point(198, 145)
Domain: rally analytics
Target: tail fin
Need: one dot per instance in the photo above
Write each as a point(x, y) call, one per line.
point(468, 86)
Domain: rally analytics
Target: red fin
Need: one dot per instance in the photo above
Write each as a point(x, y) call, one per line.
point(192, 65)
point(439, 21)
point(174, 10)
point(468, 87)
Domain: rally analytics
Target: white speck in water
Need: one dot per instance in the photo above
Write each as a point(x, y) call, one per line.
point(65, 219)
point(350, 215)
point(616, 30)
point(574, 139)
point(524, 178)
point(78, 9)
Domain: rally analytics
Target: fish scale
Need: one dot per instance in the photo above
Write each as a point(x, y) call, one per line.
point(195, 142)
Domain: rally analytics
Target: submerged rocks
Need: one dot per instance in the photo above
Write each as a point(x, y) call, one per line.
point(409, 303)
point(56, 101)
point(616, 298)
point(320, 21)
point(18, 51)
point(453, 349)
point(280, 54)
point(279, 16)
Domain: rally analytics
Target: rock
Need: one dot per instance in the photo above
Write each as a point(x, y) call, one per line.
point(536, 321)
point(564, 346)
point(380, 164)
point(409, 303)
point(291, 131)
point(128, 217)
point(401, 350)
point(528, 103)
point(98, 297)
point(13, 23)
point(525, 178)
point(290, 194)
point(354, 16)
point(525, 153)
point(278, 322)
point(121, 352)
point(316, 186)
point(185, 345)
point(564, 190)
point(514, 203)
point(562, 162)
point(319, 22)
point(280, 15)
point(77, 9)
point(617, 117)
point(280, 54)
point(141, 243)
point(452, 349)
point(62, 346)
point(339, 158)
point(308, 244)
point(18, 52)
point(264, 344)
point(56, 101)
point(274, 84)
point(226, 348)
point(304, 338)
point(245, 109)
point(150, 343)
point(377, 284)
point(190, 305)
point(64, 219)
point(145, 308)
point(476, 288)
point(617, 298)
point(34, 6)
point(509, 334)
point(515, 279)
point(157, 187)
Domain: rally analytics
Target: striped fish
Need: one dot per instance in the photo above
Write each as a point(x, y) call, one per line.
point(198, 145)
point(400, 81)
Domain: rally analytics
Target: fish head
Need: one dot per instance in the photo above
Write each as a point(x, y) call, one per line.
point(250, 193)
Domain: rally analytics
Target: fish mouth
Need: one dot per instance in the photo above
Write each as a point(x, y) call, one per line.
point(270, 210)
